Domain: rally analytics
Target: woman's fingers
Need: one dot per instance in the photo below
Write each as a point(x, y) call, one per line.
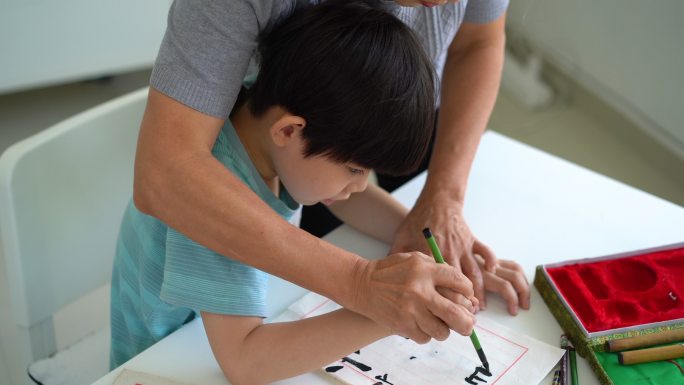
point(510, 282)
point(513, 273)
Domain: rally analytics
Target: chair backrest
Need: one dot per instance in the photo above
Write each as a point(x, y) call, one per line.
point(62, 196)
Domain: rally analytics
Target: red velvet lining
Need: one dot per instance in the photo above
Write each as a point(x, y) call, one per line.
point(626, 291)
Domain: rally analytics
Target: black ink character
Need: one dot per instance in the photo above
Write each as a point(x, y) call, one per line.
point(363, 367)
point(333, 369)
point(382, 378)
point(480, 369)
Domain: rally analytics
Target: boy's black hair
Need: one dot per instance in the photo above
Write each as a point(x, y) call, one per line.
point(360, 79)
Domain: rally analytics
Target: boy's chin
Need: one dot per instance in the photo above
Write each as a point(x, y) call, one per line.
point(306, 202)
point(326, 202)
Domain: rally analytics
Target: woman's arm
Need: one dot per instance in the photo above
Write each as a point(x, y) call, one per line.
point(250, 352)
point(469, 88)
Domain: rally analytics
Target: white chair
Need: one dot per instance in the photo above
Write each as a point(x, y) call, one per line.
point(62, 196)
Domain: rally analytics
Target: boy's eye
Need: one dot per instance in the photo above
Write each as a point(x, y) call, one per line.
point(356, 171)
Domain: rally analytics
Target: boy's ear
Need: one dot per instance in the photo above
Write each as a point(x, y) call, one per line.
point(286, 128)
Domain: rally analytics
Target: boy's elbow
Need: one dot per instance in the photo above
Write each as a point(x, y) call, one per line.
point(236, 379)
point(240, 374)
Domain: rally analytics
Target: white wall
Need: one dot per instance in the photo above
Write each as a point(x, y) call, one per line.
point(50, 42)
point(629, 52)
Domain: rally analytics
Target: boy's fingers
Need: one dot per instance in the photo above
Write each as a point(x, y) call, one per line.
point(456, 317)
point(432, 326)
point(417, 335)
point(451, 278)
point(399, 292)
point(472, 271)
point(459, 299)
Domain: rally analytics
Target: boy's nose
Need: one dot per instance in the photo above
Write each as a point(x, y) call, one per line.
point(360, 185)
point(354, 187)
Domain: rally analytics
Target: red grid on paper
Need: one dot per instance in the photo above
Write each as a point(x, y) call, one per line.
point(362, 374)
point(320, 305)
point(525, 350)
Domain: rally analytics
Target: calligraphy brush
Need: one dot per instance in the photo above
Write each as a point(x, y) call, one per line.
point(439, 259)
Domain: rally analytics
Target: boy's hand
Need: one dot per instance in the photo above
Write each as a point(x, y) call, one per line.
point(399, 293)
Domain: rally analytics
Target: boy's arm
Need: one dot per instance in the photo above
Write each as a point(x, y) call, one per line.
point(250, 352)
point(373, 212)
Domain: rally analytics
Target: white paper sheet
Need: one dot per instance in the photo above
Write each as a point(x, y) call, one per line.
point(514, 358)
point(132, 377)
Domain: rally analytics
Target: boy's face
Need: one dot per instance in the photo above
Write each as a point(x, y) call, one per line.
point(316, 178)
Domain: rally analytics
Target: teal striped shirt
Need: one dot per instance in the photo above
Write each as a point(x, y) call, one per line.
point(161, 279)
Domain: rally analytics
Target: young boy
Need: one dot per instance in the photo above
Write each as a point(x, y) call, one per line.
point(343, 88)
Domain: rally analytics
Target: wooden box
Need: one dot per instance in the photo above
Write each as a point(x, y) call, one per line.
point(618, 296)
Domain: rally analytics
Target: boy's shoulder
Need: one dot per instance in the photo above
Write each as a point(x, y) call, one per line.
point(229, 151)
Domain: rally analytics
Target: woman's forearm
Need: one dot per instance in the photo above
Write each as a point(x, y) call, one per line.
point(470, 84)
point(178, 181)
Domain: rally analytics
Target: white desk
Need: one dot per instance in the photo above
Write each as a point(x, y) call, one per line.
point(527, 205)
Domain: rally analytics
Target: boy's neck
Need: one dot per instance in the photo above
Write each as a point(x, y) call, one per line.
point(254, 134)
